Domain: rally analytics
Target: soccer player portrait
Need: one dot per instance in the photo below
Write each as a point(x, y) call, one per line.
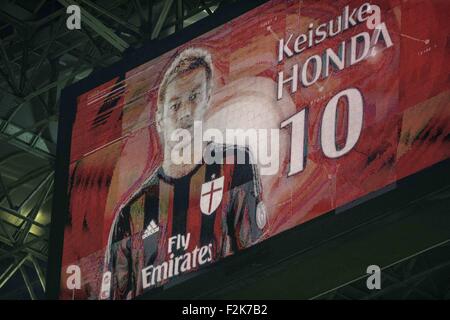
point(184, 215)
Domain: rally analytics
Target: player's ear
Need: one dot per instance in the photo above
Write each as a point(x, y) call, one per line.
point(158, 122)
point(209, 93)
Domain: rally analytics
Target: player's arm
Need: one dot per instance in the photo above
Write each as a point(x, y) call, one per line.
point(120, 257)
point(246, 216)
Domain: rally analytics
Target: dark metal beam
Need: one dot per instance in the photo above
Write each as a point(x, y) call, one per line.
point(11, 270)
point(6, 192)
point(25, 227)
point(10, 74)
point(27, 283)
point(28, 177)
point(208, 10)
point(397, 282)
point(140, 11)
point(18, 215)
point(148, 28)
point(407, 281)
point(15, 140)
point(44, 55)
point(30, 251)
point(39, 272)
point(35, 191)
point(25, 62)
point(107, 13)
point(162, 19)
point(98, 27)
point(179, 15)
point(25, 147)
point(16, 248)
point(5, 231)
point(64, 34)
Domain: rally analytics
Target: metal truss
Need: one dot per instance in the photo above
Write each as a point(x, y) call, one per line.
point(39, 56)
point(413, 277)
point(17, 240)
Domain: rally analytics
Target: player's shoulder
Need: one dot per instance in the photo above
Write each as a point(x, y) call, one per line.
point(245, 168)
point(143, 188)
point(151, 181)
point(125, 215)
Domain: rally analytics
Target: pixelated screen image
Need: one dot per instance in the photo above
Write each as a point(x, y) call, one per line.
point(325, 102)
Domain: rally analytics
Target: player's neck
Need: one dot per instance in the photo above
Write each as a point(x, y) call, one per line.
point(177, 171)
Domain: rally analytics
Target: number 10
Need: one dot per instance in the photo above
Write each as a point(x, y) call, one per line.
point(327, 130)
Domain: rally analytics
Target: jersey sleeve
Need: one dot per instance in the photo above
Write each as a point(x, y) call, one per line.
point(124, 256)
point(120, 257)
point(246, 212)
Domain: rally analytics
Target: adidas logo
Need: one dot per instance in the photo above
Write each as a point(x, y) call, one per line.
point(152, 228)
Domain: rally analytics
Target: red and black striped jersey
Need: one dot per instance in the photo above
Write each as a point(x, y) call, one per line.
point(213, 212)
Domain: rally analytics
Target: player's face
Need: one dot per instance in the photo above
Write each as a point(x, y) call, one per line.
point(185, 102)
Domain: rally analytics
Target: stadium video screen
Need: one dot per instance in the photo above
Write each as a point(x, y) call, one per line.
point(281, 115)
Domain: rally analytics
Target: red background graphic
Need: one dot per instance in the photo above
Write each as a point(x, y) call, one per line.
point(406, 123)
